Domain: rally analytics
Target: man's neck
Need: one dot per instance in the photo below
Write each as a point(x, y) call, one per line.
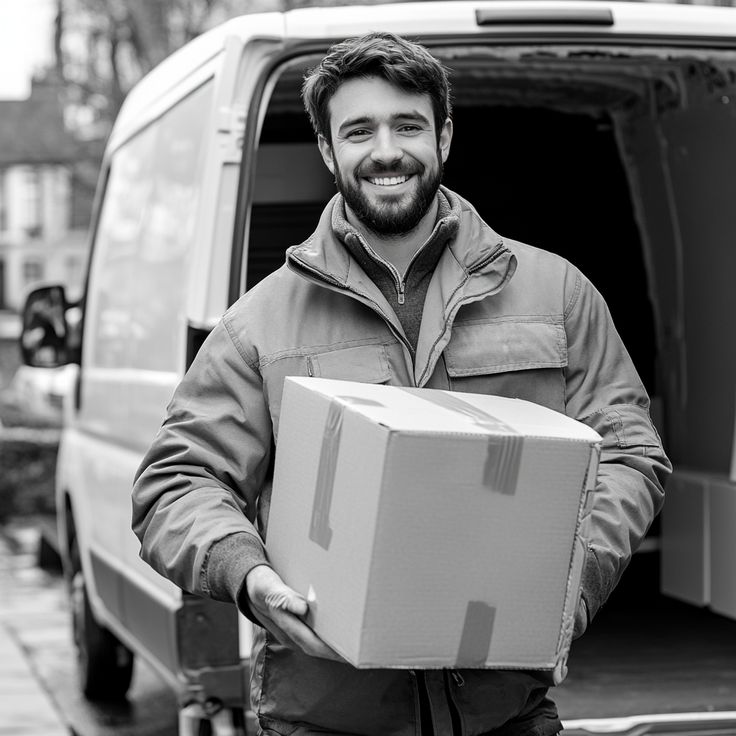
point(397, 249)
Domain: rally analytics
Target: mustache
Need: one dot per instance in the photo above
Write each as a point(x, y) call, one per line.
point(399, 168)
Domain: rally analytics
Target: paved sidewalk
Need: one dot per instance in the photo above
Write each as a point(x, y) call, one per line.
point(25, 707)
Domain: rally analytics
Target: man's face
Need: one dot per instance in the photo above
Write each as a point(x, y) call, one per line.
point(385, 155)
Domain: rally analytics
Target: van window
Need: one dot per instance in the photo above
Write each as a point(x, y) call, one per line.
point(145, 235)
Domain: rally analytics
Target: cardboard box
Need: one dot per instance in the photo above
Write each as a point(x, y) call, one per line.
point(430, 528)
point(722, 547)
point(685, 539)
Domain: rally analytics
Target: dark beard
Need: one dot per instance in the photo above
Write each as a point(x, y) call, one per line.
point(389, 219)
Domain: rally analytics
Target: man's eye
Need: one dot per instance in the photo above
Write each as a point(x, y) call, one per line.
point(409, 128)
point(358, 133)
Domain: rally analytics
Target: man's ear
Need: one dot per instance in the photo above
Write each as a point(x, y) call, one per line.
point(326, 150)
point(445, 140)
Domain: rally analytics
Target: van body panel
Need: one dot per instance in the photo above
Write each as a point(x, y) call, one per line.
point(642, 20)
point(100, 473)
point(185, 66)
point(160, 104)
point(242, 72)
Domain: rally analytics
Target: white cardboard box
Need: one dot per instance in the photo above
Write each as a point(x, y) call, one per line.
point(722, 547)
point(429, 528)
point(685, 539)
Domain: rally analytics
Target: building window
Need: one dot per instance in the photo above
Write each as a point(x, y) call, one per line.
point(3, 202)
point(32, 271)
point(33, 204)
point(2, 285)
point(73, 270)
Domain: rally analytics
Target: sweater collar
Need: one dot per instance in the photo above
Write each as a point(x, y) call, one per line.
point(424, 260)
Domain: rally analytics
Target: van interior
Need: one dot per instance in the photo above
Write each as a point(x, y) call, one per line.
point(623, 160)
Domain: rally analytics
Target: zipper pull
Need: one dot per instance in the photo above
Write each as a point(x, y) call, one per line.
point(402, 289)
point(310, 367)
point(459, 681)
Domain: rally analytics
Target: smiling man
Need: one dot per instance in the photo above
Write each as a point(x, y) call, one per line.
point(400, 278)
point(386, 152)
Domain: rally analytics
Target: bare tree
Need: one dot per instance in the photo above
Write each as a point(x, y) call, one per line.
point(103, 47)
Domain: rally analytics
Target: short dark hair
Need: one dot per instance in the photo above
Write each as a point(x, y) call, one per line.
point(405, 64)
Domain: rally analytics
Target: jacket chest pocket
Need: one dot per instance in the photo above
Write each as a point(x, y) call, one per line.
point(522, 358)
point(364, 363)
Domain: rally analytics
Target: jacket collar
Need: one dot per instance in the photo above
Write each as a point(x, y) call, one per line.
point(425, 259)
point(474, 246)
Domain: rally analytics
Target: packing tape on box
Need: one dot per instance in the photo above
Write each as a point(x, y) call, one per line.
point(503, 457)
point(475, 640)
point(319, 527)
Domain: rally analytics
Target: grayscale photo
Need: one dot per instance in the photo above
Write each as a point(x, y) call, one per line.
point(365, 368)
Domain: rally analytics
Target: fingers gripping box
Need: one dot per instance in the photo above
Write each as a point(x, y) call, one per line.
point(430, 528)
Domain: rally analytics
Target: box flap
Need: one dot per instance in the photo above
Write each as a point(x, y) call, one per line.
point(432, 410)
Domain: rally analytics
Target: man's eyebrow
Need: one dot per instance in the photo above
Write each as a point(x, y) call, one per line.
point(367, 119)
point(350, 122)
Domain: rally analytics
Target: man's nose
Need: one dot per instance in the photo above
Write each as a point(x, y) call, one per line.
point(386, 149)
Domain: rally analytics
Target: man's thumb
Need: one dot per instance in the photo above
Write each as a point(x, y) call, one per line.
point(283, 598)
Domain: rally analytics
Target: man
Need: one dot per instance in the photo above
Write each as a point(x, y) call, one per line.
point(403, 283)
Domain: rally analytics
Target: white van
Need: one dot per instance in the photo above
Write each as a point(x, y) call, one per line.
point(603, 131)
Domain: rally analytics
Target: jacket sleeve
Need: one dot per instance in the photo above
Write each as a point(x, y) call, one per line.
point(196, 491)
point(604, 391)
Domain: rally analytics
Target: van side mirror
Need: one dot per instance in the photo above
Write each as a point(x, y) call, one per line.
point(46, 339)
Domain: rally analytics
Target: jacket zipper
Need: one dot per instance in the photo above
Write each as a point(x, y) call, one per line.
point(402, 290)
point(455, 719)
point(398, 278)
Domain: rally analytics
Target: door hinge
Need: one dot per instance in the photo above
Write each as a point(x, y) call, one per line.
point(231, 130)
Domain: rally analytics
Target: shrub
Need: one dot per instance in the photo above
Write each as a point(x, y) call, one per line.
point(27, 469)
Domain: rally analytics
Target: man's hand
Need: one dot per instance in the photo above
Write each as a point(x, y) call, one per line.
point(281, 610)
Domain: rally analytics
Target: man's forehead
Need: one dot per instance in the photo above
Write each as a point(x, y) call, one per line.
point(367, 99)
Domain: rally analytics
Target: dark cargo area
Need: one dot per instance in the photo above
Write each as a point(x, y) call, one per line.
point(646, 653)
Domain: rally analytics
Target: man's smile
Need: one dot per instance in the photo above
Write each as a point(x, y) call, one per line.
point(388, 181)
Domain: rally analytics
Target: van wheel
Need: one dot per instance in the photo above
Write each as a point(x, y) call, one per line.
point(104, 664)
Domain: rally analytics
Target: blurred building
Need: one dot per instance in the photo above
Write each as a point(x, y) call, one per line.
point(45, 197)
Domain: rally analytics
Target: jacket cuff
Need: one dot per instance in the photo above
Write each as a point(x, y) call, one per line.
point(228, 562)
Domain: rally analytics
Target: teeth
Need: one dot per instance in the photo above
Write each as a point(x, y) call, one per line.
point(389, 181)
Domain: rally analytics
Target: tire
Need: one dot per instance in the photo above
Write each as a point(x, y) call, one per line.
point(104, 664)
